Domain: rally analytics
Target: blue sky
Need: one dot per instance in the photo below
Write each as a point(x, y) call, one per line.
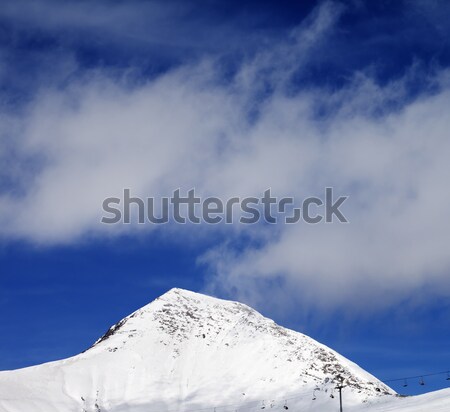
point(230, 98)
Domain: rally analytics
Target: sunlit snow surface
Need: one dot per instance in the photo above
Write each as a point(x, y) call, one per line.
point(187, 352)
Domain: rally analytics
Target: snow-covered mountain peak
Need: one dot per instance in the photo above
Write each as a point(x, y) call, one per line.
point(185, 351)
point(178, 314)
point(181, 322)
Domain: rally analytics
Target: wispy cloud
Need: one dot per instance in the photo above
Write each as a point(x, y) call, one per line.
point(259, 127)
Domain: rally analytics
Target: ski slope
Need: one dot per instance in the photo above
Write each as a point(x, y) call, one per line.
point(438, 401)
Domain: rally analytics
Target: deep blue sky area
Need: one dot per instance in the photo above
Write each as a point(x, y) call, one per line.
point(57, 297)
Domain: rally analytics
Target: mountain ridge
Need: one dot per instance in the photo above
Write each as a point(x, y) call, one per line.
point(187, 351)
point(185, 303)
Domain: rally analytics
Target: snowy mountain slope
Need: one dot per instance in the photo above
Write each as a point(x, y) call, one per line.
point(438, 401)
point(186, 351)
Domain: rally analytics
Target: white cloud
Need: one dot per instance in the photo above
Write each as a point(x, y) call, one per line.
point(189, 128)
